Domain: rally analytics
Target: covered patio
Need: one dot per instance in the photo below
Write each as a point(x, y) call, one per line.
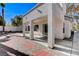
point(46, 21)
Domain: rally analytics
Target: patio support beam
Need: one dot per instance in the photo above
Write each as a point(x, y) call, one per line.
point(51, 32)
point(31, 30)
point(41, 29)
point(23, 28)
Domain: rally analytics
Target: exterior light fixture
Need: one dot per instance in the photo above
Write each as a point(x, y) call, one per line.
point(39, 11)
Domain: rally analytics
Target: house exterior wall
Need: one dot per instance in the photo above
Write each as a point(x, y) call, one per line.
point(41, 11)
point(68, 28)
point(58, 13)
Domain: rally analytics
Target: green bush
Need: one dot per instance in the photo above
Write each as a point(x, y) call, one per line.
point(77, 26)
point(74, 27)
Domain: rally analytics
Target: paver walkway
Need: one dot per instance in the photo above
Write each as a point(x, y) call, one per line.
point(28, 47)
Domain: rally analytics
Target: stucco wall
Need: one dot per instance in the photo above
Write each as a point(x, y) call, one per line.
point(68, 28)
point(11, 28)
point(58, 17)
point(1, 28)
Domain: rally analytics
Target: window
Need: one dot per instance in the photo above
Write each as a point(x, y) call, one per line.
point(63, 27)
point(28, 28)
point(36, 27)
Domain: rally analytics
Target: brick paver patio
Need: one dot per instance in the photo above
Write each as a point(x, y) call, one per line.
point(29, 47)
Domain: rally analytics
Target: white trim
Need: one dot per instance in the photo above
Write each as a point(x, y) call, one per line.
point(30, 10)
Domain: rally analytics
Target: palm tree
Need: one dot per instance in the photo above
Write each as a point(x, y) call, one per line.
point(17, 21)
point(3, 5)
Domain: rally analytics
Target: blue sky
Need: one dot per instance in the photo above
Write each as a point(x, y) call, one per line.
point(13, 9)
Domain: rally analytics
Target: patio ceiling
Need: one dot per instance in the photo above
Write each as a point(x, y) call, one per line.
point(42, 20)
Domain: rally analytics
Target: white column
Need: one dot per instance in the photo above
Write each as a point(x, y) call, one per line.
point(23, 27)
point(41, 29)
point(51, 34)
point(23, 30)
point(31, 30)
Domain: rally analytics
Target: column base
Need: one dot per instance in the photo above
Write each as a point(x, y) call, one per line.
point(32, 38)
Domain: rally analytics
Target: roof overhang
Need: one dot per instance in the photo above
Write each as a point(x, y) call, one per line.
point(36, 6)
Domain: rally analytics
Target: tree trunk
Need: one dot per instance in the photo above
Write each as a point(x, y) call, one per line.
point(3, 19)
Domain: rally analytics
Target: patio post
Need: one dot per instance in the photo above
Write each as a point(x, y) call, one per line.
point(31, 30)
point(41, 29)
point(51, 32)
point(23, 28)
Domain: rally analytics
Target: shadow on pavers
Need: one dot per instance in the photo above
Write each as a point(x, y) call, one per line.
point(3, 52)
point(13, 51)
point(3, 40)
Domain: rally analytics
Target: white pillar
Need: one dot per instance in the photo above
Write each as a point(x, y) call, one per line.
point(23, 30)
point(67, 29)
point(23, 27)
point(51, 34)
point(31, 30)
point(41, 29)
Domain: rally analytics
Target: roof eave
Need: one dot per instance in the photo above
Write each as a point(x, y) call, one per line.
point(32, 9)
